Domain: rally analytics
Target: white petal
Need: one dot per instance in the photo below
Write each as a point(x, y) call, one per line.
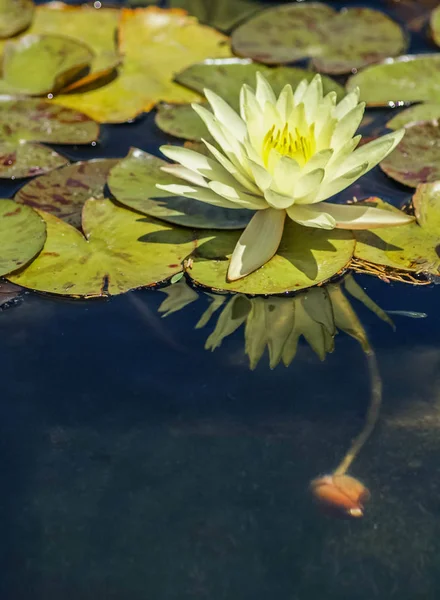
point(271, 117)
point(318, 160)
point(339, 156)
point(331, 188)
point(347, 126)
point(258, 243)
point(304, 215)
point(262, 177)
point(286, 174)
point(186, 174)
point(346, 104)
point(351, 216)
point(226, 115)
point(264, 92)
point(277, 200)
point(249, 107)
point(323, 115)
point(312, 98)
point(237, 174)
point(308, 182)
point(198, 193)
point(235, 195)
point(300, 90)
point(285, 102)
point(373, 152)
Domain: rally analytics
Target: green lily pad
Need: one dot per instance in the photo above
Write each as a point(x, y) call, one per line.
point(396, 81)
point(24, 122)
point(36, 65)
point(415, 114)
point(417, 158)
point(221, 14)
point(182, 121)
point(133, 183)
point(15, 15)
point(435, 25)
point(121, 251)
point(22, 235)
point(226, 76)
point(306, 257)
point(63, 192)
point(337, 42)
point(411, 247)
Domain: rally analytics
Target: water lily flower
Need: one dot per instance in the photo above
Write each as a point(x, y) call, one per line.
point(340, 494)
point(282, 157)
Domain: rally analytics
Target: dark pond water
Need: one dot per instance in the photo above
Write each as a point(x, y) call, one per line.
point(135, 464)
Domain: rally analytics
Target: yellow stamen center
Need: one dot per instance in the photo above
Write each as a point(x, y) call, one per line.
point(299, 147)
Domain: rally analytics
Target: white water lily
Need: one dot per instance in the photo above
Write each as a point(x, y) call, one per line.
point(282, 157)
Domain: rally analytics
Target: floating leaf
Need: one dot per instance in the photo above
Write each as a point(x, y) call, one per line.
point(435, 25)
point(133, 183)
point(415, 114)
point(182, 121)
point(15, 15)
point(405, 79)
point(221, 14)
point(63, 192)
point(22, 235)
point(337, 42)
point(174, 41)
point(306, 257)
point(410, 247)
point(36, 65)
point(417, 158)
point(226, 76)
point(121, 251)
point(24, 122)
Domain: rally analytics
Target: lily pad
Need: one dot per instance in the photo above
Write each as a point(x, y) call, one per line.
point(417, 158)
point(226, 76)
point(435, 25)
point(221, 14)
point(63, 192)
point(182, 121)
point(415, 114)
point(133, 183)
point(306, 257)
point(121, 251)
point(24, 122)
point(337, 42)
point(174, 41)
point(412, 247)
point(413, 78)
point(36, 65)
point(15, 15)
point(22, 235)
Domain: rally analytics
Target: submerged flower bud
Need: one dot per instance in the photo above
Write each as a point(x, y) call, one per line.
point(340, 494)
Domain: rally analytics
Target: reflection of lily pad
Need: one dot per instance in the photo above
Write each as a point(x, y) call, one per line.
point(337, 42)
point(121, 251)
point(417, 158)
point(24, 122)
point(305, 258)
point(226, 76)
point(15, 15)
point(173, 41)
point(182, 121)
point(404, 79)
point(22, 235)
point(63, 192)
point(36, 65)
point(415, 114)
point(410, 247)
point(133, 183)
point(221, 14)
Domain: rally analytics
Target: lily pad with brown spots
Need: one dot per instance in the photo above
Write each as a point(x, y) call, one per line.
point(182, 121)
point(64, 191)
point(337, 42)
point(412, 78)
point(15, 15)
point(417, 158)
point(133, 183)
point(36, 65)
point(415, 114)
point(221, 14)
point(25, 122)
point(119, 251)
point(22, 235)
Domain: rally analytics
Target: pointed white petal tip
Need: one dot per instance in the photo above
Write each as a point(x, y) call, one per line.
point(257, 244)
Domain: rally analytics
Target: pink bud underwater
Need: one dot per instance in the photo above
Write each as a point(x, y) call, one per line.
point(340, 494)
